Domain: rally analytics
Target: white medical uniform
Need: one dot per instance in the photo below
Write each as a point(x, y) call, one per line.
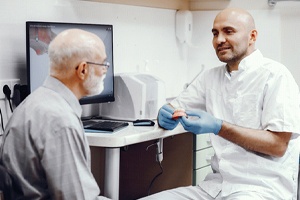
point(261, 94)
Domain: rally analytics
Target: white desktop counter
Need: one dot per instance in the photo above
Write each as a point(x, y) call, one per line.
point(113, 142)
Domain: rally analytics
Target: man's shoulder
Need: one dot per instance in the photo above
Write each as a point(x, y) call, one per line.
point(275, 68)
point(45, 105)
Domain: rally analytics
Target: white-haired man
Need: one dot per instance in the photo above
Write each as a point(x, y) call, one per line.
point(44, 144)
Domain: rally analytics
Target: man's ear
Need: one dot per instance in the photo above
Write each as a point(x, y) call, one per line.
point(82, 70)
point(253, 36)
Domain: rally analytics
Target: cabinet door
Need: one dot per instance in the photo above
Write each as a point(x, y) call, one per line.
point(138, 167)
point(201, 141)
point(200, 174)
point(202, 157)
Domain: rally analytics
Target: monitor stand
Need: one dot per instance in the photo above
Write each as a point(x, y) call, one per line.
point(89, 111)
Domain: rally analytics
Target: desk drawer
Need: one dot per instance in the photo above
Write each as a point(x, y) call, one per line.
point(203, 157)
point(200, 174)
point(202, 141)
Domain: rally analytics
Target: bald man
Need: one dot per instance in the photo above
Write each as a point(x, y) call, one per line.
point(249, 107)
point(45, 146)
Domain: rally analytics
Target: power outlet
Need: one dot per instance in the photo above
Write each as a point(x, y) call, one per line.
point(10, 83)
point(13, 82)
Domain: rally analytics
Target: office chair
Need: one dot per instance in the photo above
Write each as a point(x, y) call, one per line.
point(9, 187)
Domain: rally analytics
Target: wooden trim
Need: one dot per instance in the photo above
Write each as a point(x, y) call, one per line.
point(166, 4)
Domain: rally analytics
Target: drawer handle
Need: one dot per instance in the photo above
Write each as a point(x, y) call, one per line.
point(208, 158)
point(208, 141)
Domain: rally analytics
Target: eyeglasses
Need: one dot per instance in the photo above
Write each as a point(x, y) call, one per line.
point(105, 64)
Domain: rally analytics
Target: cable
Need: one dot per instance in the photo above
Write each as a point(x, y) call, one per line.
point(10, 105)
point(159, 158)
point(160, 173)
point(2, 126)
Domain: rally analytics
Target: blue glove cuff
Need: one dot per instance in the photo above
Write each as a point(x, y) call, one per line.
point(218, 126)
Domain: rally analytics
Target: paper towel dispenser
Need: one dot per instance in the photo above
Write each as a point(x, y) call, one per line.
point(137, 96)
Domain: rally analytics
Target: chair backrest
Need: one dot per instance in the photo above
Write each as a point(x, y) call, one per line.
point(9, 186)
point(1, 195)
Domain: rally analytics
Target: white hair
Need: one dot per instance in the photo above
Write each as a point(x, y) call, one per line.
point(69, 51)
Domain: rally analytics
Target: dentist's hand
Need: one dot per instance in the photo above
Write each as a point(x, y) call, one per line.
point(165, 117)
point(204, 123)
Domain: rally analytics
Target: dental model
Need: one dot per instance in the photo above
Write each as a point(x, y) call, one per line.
point(179, 112)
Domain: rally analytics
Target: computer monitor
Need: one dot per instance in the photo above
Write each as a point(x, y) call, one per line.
point(40, 34)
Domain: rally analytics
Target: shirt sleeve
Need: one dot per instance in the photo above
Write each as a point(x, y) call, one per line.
point(281, 104)
point(66, 160)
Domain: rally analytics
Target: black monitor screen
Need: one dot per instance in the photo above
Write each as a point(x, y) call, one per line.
point(38, 37)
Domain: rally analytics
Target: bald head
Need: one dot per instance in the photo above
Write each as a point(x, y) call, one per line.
point(238, 16)
point(71, 47)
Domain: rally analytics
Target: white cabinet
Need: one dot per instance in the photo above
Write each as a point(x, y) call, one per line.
point(203, 152)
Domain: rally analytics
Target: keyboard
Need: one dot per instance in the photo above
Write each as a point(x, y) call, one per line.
point(103, 125)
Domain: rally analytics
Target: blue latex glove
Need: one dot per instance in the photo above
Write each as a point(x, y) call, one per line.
point(202, 123)
point(165, 117)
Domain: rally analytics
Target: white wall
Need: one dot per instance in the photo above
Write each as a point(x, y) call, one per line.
point(144, 38)
point(278, 27)
point(290, 36)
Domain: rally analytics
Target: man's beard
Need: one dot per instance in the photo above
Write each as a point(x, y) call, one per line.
point(93, 84)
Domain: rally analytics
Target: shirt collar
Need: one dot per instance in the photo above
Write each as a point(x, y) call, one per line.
point(57, 86)
point(252, 60)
